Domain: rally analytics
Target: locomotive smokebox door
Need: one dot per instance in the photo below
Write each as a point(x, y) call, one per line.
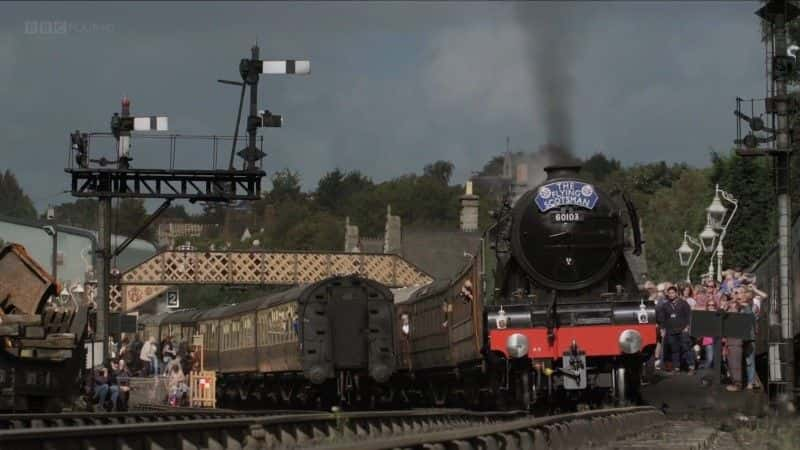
point(565, 234)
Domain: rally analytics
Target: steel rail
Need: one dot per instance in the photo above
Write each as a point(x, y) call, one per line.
point(72, 419)
point(436, 429)
point(291, 430)
point(560, 431)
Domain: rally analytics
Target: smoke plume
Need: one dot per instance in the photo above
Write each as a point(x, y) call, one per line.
point(550, 39)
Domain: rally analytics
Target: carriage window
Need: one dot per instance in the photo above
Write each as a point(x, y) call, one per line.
point(263, 337)
point(226, 335)
point(247, 331)
point(281, 326)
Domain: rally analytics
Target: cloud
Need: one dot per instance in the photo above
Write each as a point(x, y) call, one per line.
point(393, 87)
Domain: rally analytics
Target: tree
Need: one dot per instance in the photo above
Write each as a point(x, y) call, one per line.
point(598, 167)
point(494, 167)
point(285, 186)
point(440, 171)
point(753, 229)
point(128, 216)
point(175, 212)
point(665, 216)
point(336, 189)
point(13, 201)
point(81, 213)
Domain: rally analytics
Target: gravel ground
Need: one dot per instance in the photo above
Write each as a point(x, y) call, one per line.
point(768, 433)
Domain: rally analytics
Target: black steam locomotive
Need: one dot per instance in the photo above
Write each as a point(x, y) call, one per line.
point(559, 313)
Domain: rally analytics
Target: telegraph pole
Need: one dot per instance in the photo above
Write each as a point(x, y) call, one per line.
point(780, 106)
point(104, 282)
point(782, 158)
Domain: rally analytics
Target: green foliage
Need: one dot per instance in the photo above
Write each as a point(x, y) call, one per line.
point(494, 167)
point(173, 213)
point(598, 167)
point(128, 216)
point(440, 171)
point(336, 190)
point(753, 228)
point(13, 201)
point(201, 296)
point(81, 213)
point(285, 186)
point(665, 216)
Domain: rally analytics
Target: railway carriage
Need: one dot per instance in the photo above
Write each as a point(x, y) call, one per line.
point(330, 341)
point(208, 326)
point(180, 325)
point(150, 325)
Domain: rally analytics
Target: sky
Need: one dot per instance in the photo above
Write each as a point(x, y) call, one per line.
point(393, 86)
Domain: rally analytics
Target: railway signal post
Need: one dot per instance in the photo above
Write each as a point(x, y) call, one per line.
point(775, 139)
point(107, 179)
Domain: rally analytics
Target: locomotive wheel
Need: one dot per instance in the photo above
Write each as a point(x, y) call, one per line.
point(620, 386)
point(628, 381)
point(523, 394)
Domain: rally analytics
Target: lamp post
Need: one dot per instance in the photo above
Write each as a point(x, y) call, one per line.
point(716, 212)
point(685, 253)
point(53, 232)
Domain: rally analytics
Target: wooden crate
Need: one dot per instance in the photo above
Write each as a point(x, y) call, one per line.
point(203, 389)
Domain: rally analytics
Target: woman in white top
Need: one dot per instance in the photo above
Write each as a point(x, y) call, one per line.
point(147, 355)
point(688, 296)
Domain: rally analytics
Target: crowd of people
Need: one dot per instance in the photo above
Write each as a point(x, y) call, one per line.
point(136, 357)
point(679, 351)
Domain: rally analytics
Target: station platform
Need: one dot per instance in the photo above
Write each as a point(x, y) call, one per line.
point(148, 391)
point(687, 395)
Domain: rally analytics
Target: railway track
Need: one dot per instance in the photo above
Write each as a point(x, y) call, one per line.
point(436, 429)
point(148, 415)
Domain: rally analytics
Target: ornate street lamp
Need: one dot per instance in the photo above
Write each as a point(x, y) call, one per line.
point(707, 238)
point(716, 215)
point(685, 252)
point(716, 211)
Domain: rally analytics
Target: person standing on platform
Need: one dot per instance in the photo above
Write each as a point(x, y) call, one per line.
point(168, 353)
point(707, 341)
point(675, 315)
point(748, 346)
point(147, 356)
point(734, 346)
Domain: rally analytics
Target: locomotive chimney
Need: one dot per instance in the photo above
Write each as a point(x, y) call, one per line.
point(566, 171)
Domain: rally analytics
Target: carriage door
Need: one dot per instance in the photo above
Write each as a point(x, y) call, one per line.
point(347, 314)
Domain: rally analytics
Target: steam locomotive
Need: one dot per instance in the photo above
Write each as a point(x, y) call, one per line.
point(558, 315)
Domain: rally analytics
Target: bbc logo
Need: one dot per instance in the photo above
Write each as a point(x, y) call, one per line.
point(61, 27)
point(46, 27)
